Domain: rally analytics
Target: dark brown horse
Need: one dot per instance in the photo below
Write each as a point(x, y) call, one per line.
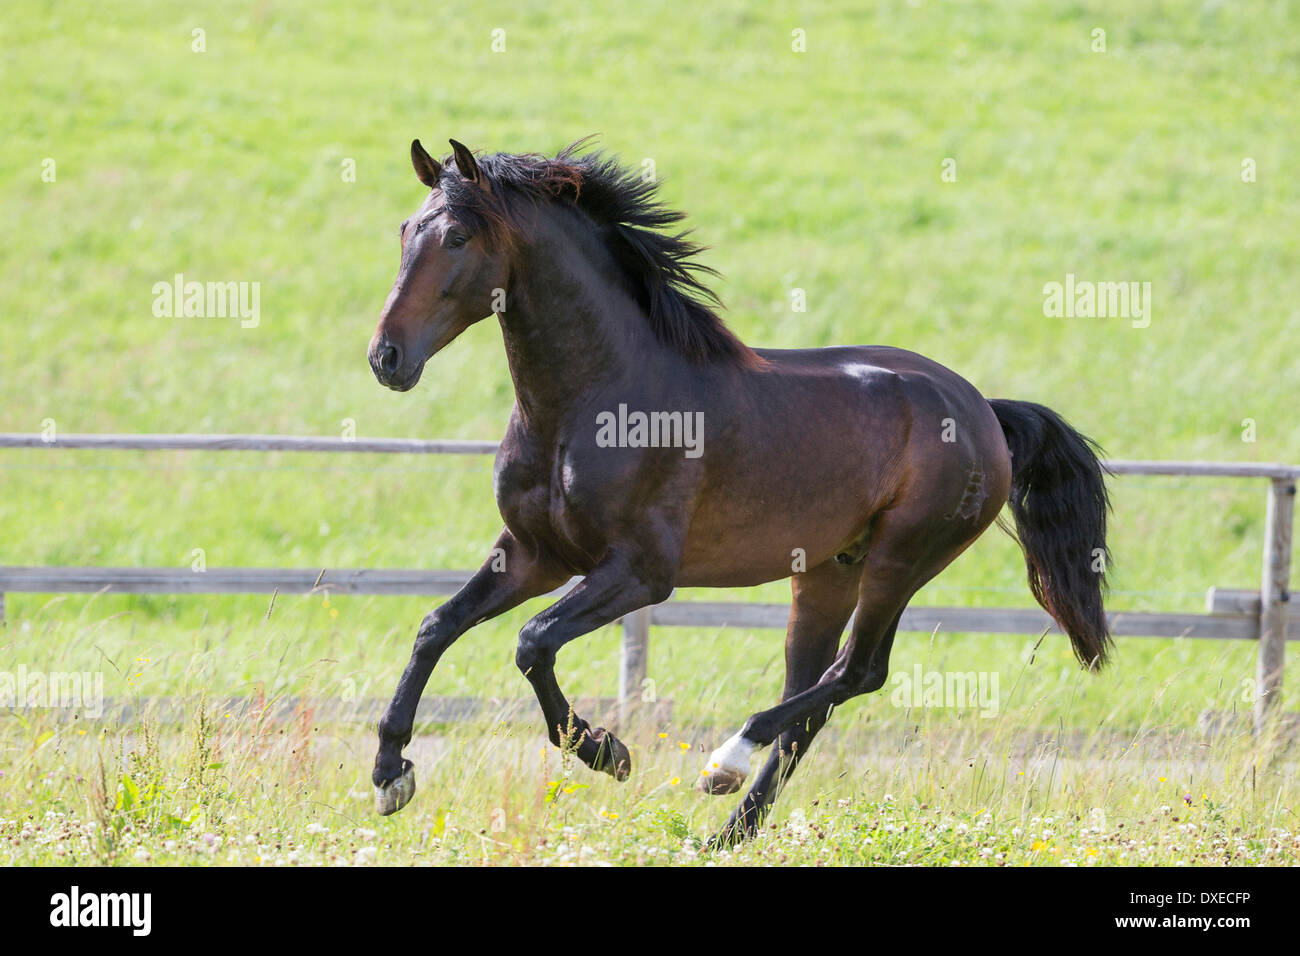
point(649, 449)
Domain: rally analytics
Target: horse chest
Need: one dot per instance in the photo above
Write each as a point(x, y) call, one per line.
point(540, 500)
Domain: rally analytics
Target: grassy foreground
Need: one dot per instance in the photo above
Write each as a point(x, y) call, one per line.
point(244, 791)
point(215, 765)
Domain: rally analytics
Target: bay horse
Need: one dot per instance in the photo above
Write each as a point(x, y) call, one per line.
point(857, 472)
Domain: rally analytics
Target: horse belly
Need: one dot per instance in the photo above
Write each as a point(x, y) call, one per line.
point(771, 526)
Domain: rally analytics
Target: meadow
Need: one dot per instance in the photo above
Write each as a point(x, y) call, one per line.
point(278, 154)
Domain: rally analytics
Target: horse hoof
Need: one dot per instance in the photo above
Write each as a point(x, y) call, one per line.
point(728, 838)
point(720, 781)
point(612, 757)
point(727, 767)
point(395, 794)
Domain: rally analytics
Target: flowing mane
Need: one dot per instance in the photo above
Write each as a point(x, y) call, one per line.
point(660, 266)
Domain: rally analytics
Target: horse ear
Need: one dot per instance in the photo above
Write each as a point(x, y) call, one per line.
point(426, 167)
point(465, 162)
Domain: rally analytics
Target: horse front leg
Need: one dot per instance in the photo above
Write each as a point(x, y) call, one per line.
point(611, 590)
point(508, 578)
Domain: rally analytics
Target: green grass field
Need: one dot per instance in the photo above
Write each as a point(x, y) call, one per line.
point(818, 170)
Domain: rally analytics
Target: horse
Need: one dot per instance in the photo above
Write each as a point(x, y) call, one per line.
point(859, 472)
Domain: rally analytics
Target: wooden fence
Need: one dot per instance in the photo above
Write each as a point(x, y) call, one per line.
point(1244, 615)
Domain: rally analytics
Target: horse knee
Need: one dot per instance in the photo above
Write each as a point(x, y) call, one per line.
point(533, 650)
point(432, 638)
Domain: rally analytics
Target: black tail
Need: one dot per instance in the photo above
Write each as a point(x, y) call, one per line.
point(1059, 501)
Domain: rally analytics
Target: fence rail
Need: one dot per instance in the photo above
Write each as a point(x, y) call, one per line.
point(1233, 614)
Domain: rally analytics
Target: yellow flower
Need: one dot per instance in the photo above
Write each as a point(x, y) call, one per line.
point(1162, 779)
point(675, 781)
point(684, 745)
point(1038, 846)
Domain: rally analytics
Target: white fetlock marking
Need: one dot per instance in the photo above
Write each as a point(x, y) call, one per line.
point(733, 756)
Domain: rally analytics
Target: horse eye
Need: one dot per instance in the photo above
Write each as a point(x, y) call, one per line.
point(456, 242)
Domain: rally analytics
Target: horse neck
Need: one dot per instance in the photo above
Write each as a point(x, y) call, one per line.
point(570, 325)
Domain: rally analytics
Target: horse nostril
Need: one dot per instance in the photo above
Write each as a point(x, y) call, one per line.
point(390, 357)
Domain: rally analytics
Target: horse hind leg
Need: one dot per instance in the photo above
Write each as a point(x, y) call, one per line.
point(903, 556)
point(824, 598)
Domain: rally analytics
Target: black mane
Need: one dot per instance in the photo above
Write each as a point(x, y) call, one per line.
point(659, 265)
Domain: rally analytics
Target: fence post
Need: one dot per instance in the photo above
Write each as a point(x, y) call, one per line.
point(1274, 597)
point(632, 662)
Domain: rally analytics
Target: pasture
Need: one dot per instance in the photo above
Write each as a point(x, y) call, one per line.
point(278, 155)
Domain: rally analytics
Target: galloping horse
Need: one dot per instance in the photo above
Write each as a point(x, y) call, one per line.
point(858, 472)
